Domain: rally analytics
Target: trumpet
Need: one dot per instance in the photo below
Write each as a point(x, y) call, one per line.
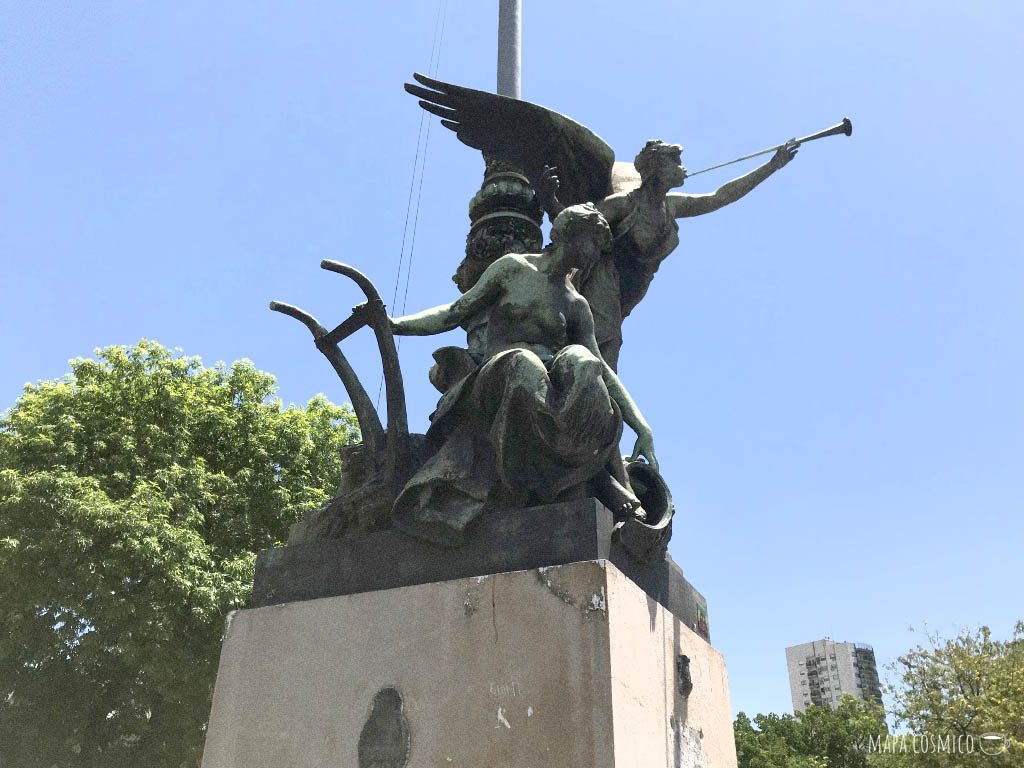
point(844, 127)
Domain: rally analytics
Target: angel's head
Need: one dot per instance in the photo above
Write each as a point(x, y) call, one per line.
point(582, 233)
point(660, 161)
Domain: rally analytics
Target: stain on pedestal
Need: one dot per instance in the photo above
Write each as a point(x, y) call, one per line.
point(384, 741)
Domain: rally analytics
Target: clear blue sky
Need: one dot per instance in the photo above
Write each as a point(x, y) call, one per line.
point(832, 367)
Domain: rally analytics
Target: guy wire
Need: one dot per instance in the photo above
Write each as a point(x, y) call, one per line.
point(419, 193)
point(435, 58)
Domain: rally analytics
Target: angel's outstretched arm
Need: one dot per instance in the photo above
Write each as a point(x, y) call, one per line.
point(682, 206)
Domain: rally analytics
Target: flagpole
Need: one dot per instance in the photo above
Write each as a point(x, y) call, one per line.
point(510, 18)
point(504, 214)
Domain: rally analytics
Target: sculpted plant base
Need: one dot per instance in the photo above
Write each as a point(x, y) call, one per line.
point(573, 666)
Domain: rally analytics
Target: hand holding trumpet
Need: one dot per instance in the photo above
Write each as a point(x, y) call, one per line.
point(785, 152)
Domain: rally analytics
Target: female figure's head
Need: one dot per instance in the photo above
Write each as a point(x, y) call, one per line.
point(659, 163)
point(582, 233)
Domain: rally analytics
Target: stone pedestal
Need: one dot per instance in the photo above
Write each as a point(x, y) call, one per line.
point(571, 666)
point(512, 540)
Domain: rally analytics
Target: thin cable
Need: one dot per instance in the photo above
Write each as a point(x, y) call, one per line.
point(401, 250)
point(440, 39)
point(419, 194)
point(435, 56)
point(412, 245)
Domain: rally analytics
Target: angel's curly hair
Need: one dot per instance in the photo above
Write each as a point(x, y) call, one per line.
point(577, 220)
point(653, 150)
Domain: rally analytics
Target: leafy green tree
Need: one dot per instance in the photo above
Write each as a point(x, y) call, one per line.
point(820, 737)
point(965, 686)
point(949, 693)
point(134, 493)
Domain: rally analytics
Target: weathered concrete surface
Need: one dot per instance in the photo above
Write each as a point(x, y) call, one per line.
point(653, 721)
point(571, 666)
point(509, 540)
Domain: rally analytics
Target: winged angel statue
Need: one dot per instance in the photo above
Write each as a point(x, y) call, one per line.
point(568, 164)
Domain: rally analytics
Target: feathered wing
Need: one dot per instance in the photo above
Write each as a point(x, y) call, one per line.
point(525, 135)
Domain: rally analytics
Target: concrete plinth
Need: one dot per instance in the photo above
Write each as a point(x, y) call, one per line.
point(509, 540)
point(572, 666)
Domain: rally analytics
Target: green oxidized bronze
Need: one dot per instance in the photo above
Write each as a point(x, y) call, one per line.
point(504, 216)
point(536, 415)
point(569, 164)
point(529, 414)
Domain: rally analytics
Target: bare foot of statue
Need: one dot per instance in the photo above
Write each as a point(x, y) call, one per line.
point(634, 510)
point(619, 499)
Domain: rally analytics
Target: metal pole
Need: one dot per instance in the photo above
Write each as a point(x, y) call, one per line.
point(510, 18)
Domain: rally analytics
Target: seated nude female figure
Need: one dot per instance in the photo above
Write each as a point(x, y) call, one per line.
point(540, 416)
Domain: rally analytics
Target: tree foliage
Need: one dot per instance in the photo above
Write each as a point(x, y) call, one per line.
point(948, 694)
point(134, 493)
point(820, 737)
point(965, 686)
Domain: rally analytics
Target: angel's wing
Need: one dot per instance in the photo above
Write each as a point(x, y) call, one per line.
point(525, 135)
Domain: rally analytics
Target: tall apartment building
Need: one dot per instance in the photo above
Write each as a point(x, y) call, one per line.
point(820, 672)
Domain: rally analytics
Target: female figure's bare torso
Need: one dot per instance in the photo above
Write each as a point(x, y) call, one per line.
point(534, 310)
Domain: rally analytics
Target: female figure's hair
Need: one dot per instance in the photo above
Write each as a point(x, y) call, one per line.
point(650, 156)
point(579, 219)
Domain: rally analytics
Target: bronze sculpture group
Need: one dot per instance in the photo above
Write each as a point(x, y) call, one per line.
point(532, 408)
point(561, 156)
point(539, 413)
